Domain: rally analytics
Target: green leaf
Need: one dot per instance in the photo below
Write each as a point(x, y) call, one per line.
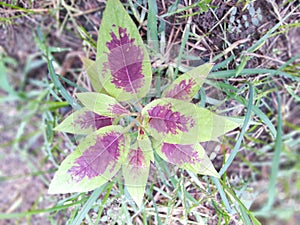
point(191, 157)
point(95, 161)
point(187, 85)
point(136, 168)
point(102, 104)
point(91, 68)
point(213, 125)
point(83, 121)
point(125, 69)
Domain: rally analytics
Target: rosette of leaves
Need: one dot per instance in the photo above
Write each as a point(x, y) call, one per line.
point(121, 133)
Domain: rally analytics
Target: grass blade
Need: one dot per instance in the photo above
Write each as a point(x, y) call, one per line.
point(59, 86)
point(185, 37)
point(103, 202)
point(231, 73)
point(243, 101)
point(152, 32)
point(49, 58)
point(275, 161)
point(240, 138)
point(88, 205)
point(222, 194)
point(38, 211)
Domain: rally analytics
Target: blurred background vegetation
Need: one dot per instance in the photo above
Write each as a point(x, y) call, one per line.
point(255, 48)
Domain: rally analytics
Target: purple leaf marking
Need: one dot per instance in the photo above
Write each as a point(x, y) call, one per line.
point(181, 90)
point(118, 109)
point(125, 61)
point(98, 157)
point(164, 120)
point(136, 158)
point(91, 119)
point(179, 154)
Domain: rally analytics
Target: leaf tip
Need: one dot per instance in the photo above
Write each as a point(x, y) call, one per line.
point(216, 175)
point(56, 128)
point(137, 197)
point(52, 190)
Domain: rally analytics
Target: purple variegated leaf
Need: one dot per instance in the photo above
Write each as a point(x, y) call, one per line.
point(145, 144)
point(136, 160)
point(125, 65)
point(117, 109)
point(93, 120)
point(172, 120)
point(96, 160)
point(136, 168)
point(191, 157)
point(180, 154)
point(83, 121)
point(101, 156)
point(165, 120)
point(102, 104)
point(125, 62)
point(188, 84)
point(179, 122)
point(182, 91)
